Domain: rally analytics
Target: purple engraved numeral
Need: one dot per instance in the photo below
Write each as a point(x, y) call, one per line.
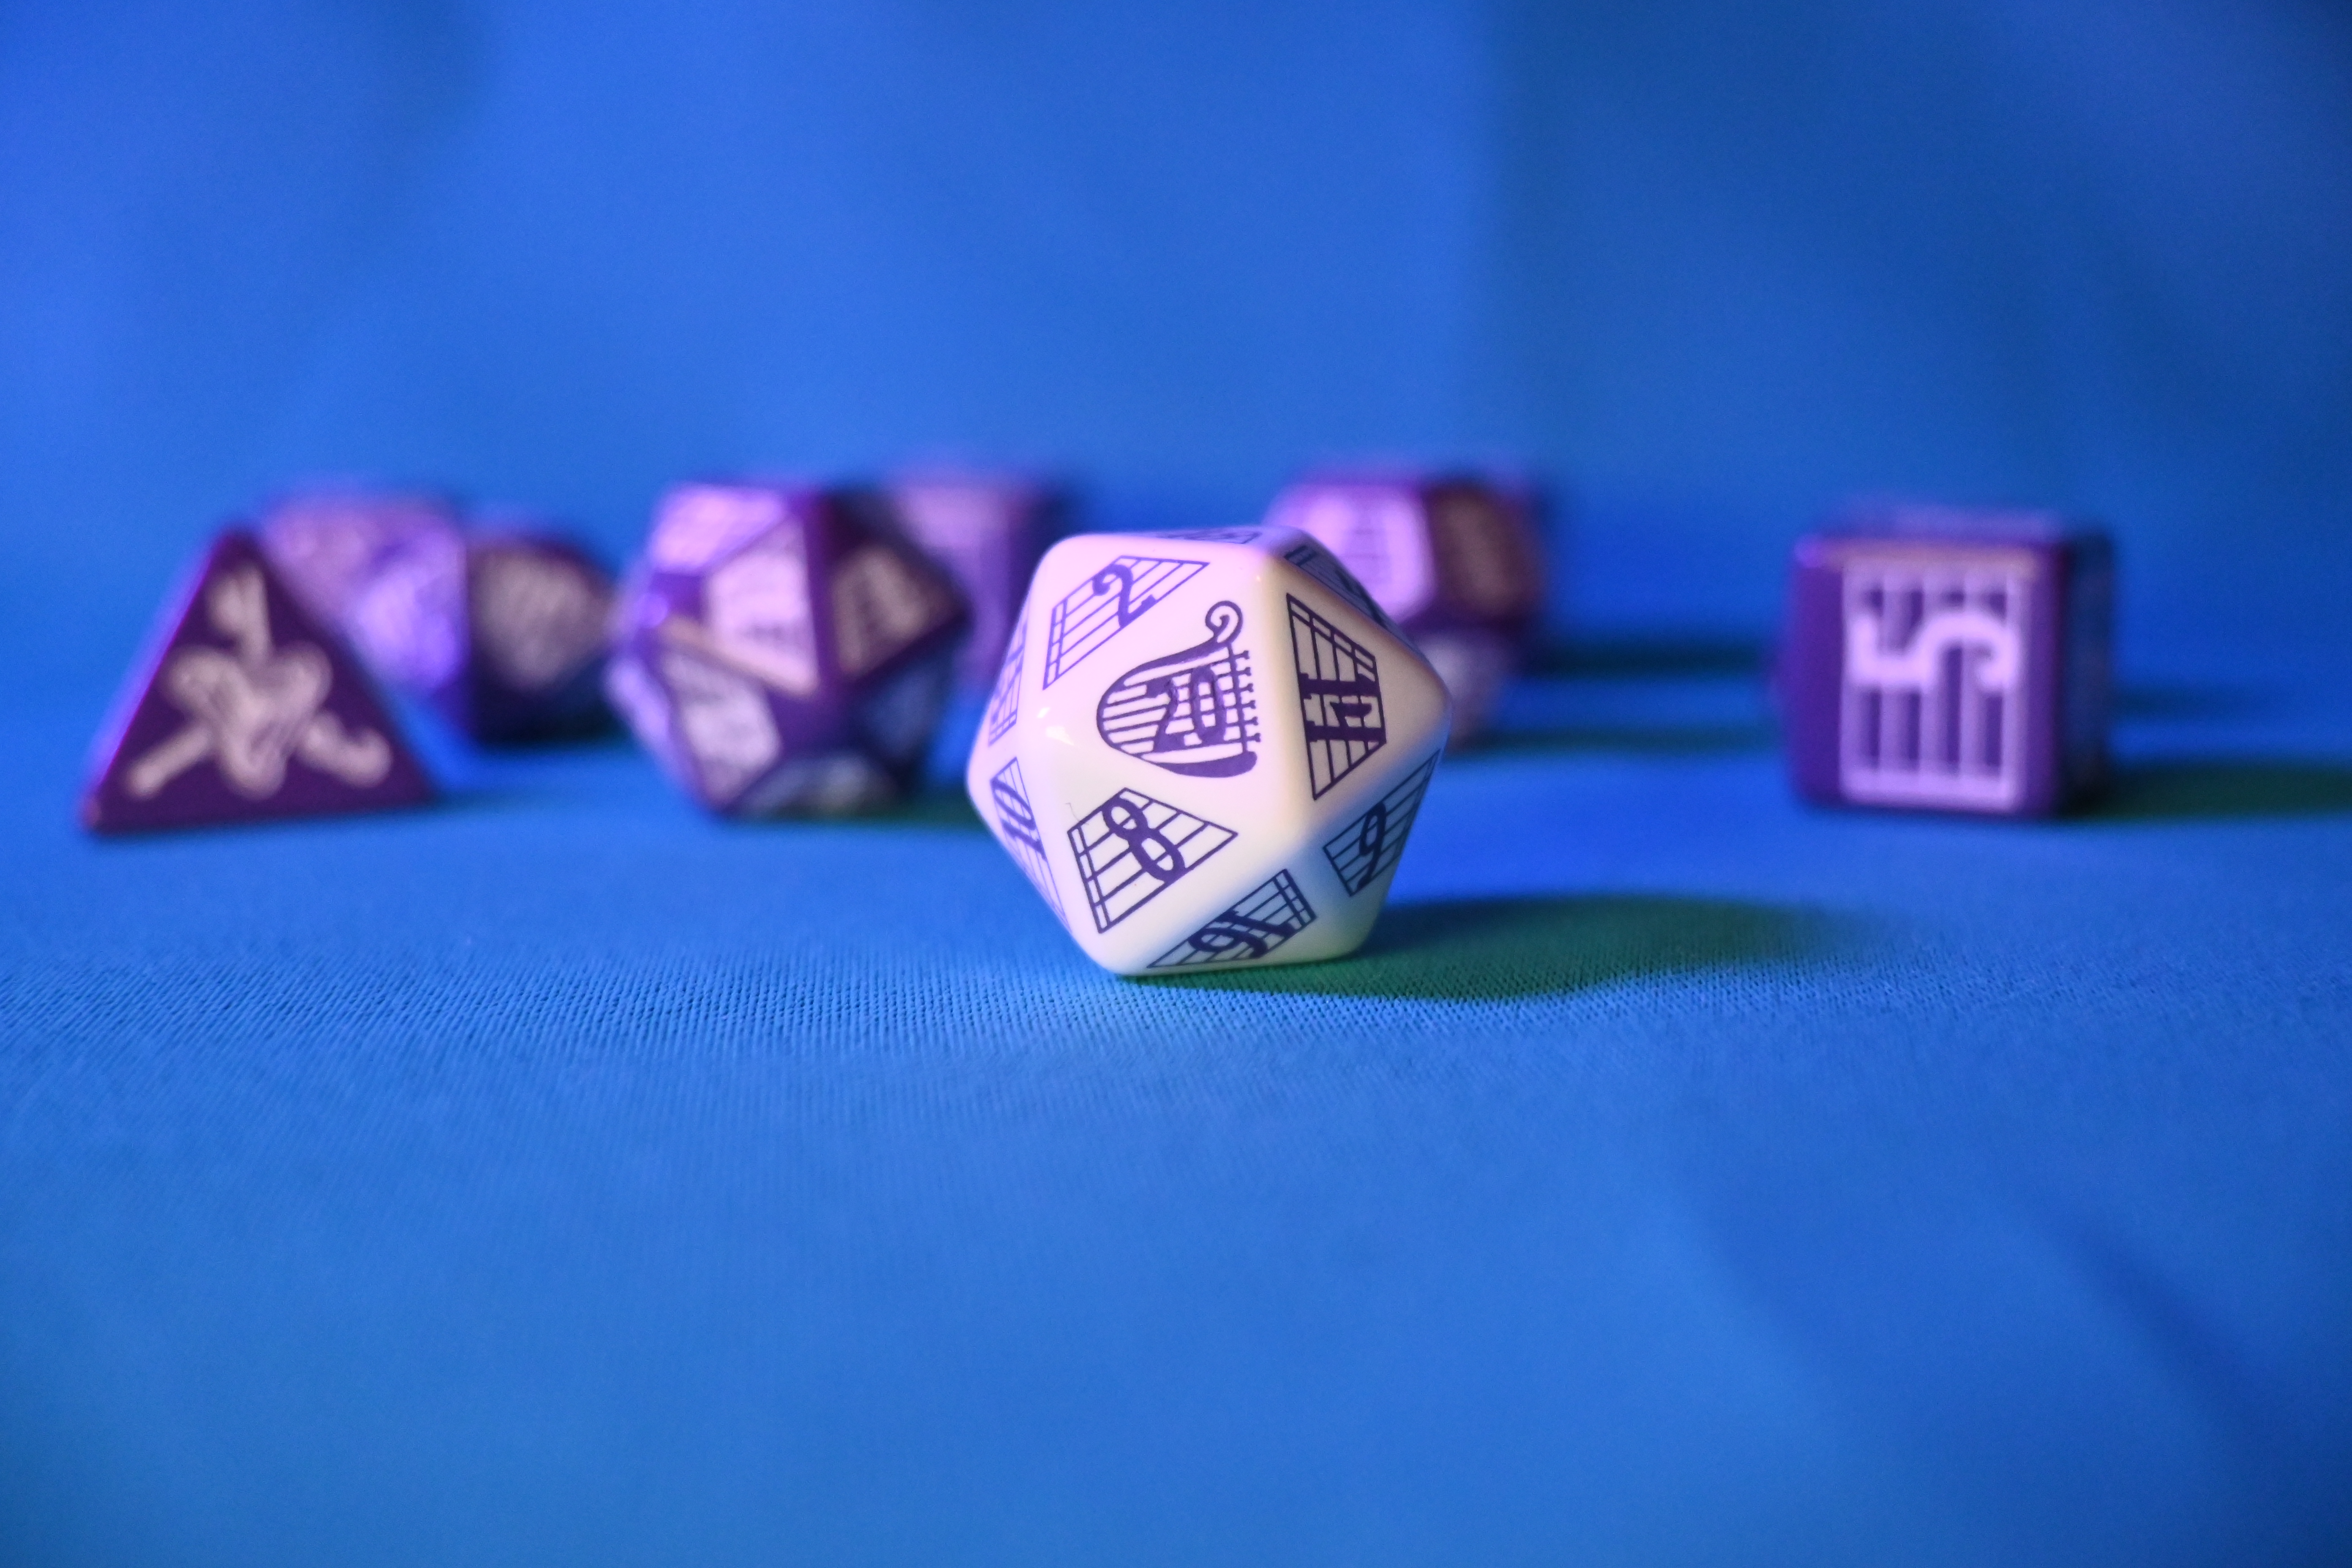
point(1274, 911)
point(1018, 824)
point(1130, 847)
point(1089, 616)
point(1004, 705)
point(1364, 849)
point(1193, 712)
point(1338, 699)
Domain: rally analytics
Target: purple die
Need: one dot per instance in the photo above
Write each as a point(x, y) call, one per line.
point(783, 648)
point(387, 569)
point(245, 708)
point(536, 610)
point(502, 631)
point(1943, 659)
point(988, 532)
point(1457, 562)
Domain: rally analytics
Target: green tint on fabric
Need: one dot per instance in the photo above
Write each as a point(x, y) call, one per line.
point(1679, 1176)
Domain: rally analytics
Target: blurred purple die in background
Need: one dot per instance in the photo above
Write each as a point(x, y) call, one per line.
point(988, 531)
point(538, 608)
point(245, 708)
point(1937, 658)
point(1456, 561)
point(386, 568)
point(501, 630)
point(783, 648)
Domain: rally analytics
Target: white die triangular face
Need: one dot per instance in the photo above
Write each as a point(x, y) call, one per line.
point(1204, 753)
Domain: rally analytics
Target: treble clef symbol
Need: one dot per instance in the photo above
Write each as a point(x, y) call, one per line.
point(1191, 712)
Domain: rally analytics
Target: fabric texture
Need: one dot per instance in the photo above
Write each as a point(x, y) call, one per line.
point(1682, 1176)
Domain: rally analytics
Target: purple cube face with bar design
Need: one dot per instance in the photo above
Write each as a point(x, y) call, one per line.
point(1937, 658)
point(784, 650)
point(502, 631)
point(1457, 562)
point(988, 531)
point(245, 708)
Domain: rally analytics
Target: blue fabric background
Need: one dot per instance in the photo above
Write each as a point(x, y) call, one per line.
point(1682, 1176)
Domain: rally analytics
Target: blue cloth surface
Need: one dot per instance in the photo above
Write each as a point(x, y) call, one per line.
point(555, 1176)
point(1682, 1176)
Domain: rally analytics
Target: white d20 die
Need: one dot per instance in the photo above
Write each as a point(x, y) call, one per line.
point(1206, 749)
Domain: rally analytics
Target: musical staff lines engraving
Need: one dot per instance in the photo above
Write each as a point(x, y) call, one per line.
point(1271, 914)
point(1192, 711)
point(1367, 848)
point(1339, 697)
point(1105, 604)
point(1132, 847)
point(1004, 703)
point(1932, 706)
point(1324, 567)
point(1016, 825)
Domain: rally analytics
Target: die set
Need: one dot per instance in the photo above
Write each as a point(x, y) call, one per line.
point(1206, 749)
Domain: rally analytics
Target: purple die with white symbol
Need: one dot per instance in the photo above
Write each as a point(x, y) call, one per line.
point(988, 532)
point(1457, 562)
point(502, 631)
point(1937, 658)
point(537, 610)
point(387, 569)
point(782, 648)
point(244, 708)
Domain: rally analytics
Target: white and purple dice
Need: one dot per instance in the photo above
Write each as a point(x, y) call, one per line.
point(1206, 749)
point(1939, 659)
point(500, 630)
point(1457, 562)
point(988, 531)
point(783, 648)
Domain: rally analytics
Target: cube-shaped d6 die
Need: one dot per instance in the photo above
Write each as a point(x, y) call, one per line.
point(1943, 659)
point(1206, 749)
point(1457, 562)
point(987, 530)
point(783, 648)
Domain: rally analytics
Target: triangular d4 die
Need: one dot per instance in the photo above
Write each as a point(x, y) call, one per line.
point(244, 709)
